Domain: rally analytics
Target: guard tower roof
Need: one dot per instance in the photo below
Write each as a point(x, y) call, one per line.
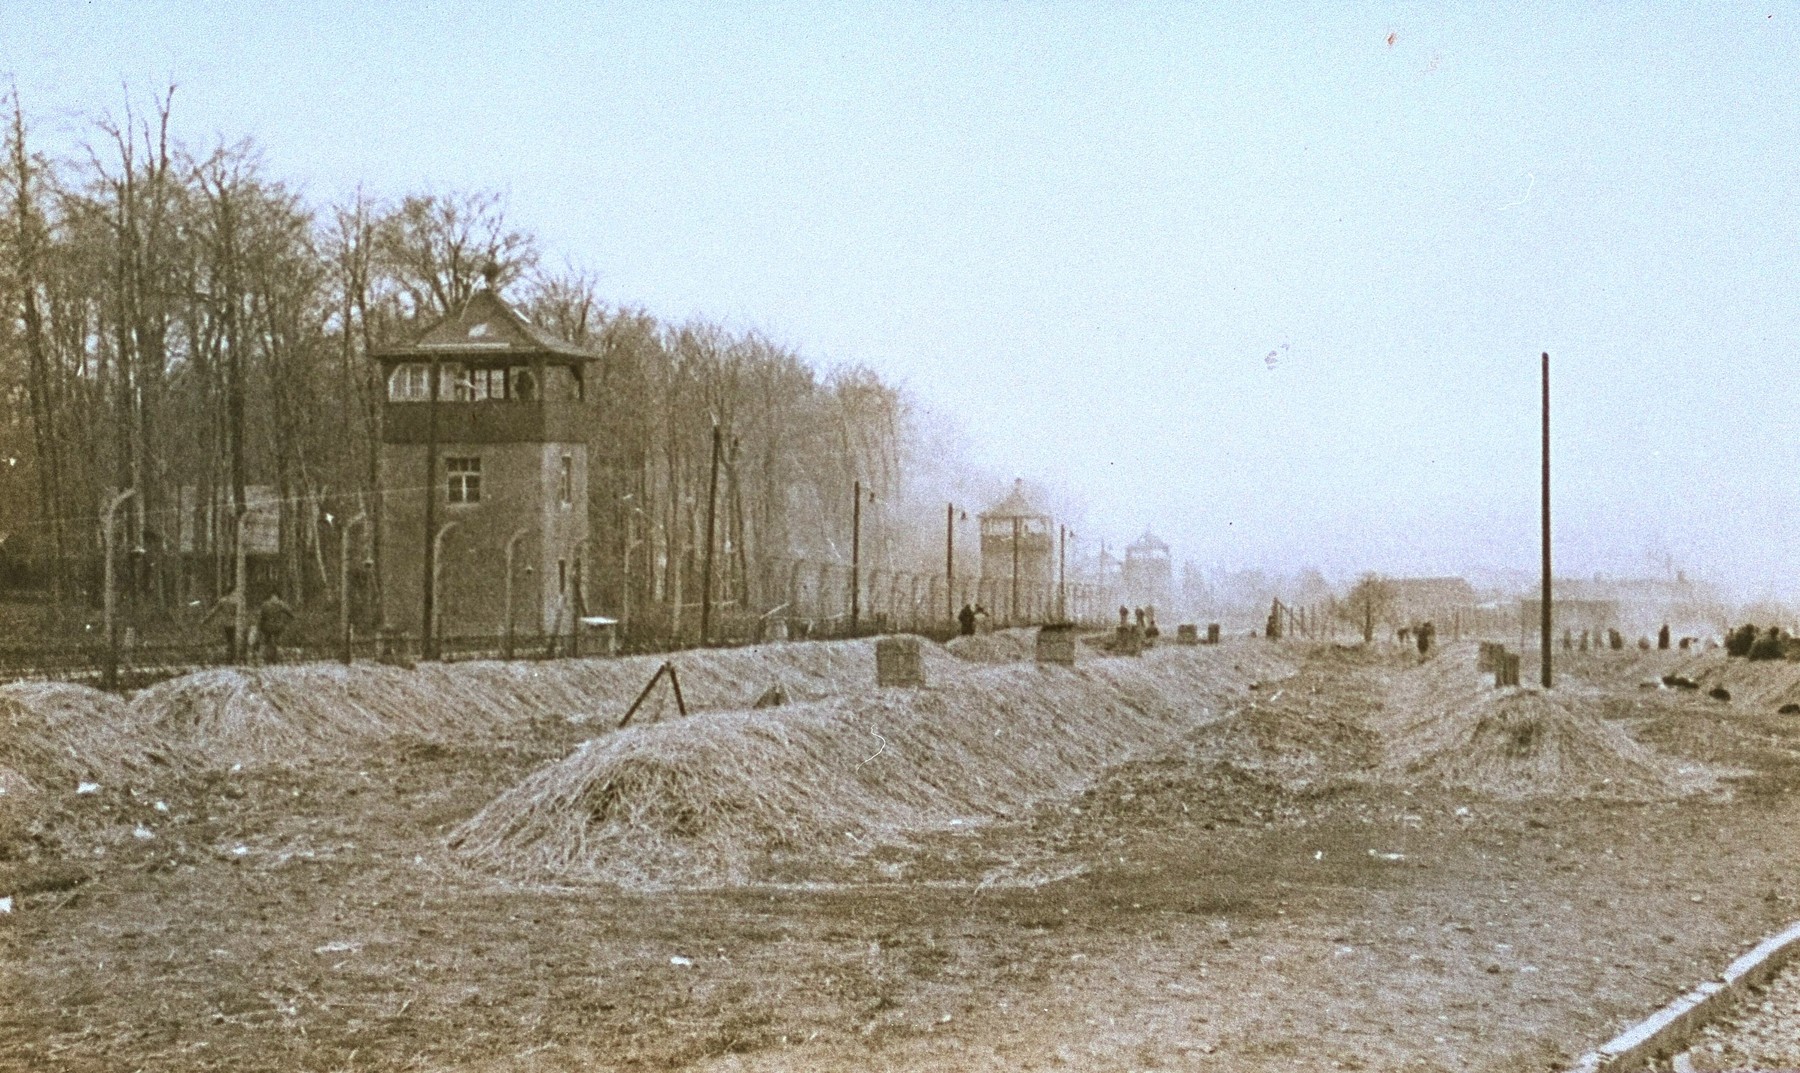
point(1016, 505)
point(485, 327)
point(1147, 544)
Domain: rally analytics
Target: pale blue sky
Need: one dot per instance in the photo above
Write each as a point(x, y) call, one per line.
point(1081, 229)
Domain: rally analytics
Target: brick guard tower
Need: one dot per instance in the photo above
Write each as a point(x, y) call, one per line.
point(483, 439)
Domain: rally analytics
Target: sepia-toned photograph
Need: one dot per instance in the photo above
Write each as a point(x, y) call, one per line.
point(956, 535)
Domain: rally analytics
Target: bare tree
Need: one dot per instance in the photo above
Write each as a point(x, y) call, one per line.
point(436, 247)
point(1371, 602)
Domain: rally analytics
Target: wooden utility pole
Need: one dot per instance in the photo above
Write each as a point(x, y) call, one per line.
point(855, 556)
point(428, 631)
point(1012, 610)
point(706, 574)
point(1544, 642)
point(950, 560)
point(1062, 574)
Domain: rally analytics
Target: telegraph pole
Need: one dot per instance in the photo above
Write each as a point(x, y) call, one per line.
point(1545, 602)
point(855, 556)
point(427, 631)
point(1012, 610)
point(1062, 575)
point(712, 503)
point(950, 560)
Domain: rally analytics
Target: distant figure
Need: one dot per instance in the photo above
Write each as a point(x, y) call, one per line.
point(1139, 614)
point(272, 620)
point(1150, 629)
point(966, 620)
point(1686, 643)
point(982, 622)
point(1662, 637)
point(1568, 640)
point(1643, 644)
point(1124, 615)
point(1425, 634)
point(227, 606)
point(1403, 634)
point(1584, 640)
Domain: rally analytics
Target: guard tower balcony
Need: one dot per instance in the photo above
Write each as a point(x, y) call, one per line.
point(498, 379)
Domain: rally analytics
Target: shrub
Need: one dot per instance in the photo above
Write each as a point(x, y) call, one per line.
point(1738, 641)
point(1768, 646)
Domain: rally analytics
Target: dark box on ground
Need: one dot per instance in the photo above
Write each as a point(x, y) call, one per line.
point(899, 661)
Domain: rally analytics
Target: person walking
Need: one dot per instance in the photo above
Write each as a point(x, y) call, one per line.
point(272, 619)
point(965, 620)
point(227, 606)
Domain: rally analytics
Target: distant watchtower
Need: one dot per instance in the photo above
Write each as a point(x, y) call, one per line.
point(1149, 575)
point(1018, 555)
point(483, 441)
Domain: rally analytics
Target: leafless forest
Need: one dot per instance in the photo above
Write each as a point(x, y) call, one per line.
point(184, 324)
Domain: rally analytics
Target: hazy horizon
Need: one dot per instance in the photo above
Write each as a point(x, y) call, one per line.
point(1274, 286)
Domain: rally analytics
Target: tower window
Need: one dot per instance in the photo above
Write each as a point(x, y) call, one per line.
point(566, 482)
point(409, 383)
point(465, 479)
point(488, 384)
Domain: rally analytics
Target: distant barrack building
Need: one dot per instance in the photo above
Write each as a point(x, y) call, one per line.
point(1431, 599)
point(1636, 606)
point(507, 413)
point(1018, 556)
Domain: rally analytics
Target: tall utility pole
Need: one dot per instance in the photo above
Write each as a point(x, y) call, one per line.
point(706, 574)
point(1544, 642)
point(1012, 610)
point(428, 631)
point(855, 556)
point(950, 560)
point(1062, 575)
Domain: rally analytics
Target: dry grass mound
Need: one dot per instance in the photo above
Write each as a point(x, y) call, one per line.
point(739, 796)
point(56, 739)
point(1519, 743)
point(1298, 746)
point(1002, 646)
point(315, 711)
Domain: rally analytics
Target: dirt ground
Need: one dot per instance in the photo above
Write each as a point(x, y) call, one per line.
point(1182, 914)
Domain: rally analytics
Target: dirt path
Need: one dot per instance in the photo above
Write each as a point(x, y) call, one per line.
point(1204, 919)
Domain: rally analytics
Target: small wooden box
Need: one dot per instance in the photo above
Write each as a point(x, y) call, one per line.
point(899, 661)
point(1187, 634)
point(1056, 644)
point(1128, 641)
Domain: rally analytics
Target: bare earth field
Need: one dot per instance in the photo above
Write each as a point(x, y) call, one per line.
point(1192, 909)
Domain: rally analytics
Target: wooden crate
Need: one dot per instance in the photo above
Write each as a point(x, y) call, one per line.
point(1187, 634)
point(1212, 633)
point(1506, 669)
point(1128, 641)
point(1056, 644)
point(899, 661)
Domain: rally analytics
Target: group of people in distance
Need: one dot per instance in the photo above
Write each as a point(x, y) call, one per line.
point(1146, 619)
point(972, 619)
point(1423, 634)
point(273, 616)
